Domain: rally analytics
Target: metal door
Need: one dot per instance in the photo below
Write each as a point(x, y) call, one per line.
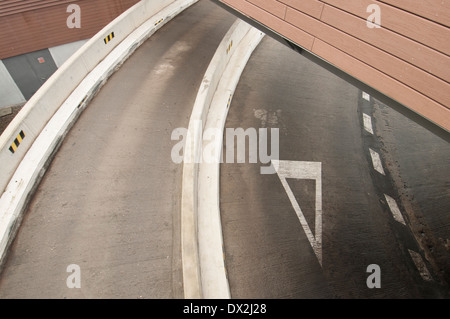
point(31, 70)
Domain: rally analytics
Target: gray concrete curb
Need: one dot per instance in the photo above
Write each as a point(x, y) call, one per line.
point(204, 272)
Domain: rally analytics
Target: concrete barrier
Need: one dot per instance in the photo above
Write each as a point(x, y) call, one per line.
point(204, 272)
point(33, 137)
point(47, 100)
point(211, 247)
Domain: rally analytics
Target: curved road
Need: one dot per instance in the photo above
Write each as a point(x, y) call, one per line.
point(110, 201)
point(321, 120)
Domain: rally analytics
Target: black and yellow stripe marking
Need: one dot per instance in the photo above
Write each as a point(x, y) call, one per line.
point(229, 47)
point(109, 37)
point(82, 102)
point(17, 141)
point(159, 22)
point(229, 101)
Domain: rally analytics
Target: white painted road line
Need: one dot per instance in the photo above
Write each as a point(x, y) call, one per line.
point(366, 96)
point(420, 264)
point(304, 170)
point(367, 123)
point(376, 161)
point(394, 209)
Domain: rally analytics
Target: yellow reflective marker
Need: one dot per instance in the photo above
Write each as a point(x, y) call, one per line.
point(17, 141)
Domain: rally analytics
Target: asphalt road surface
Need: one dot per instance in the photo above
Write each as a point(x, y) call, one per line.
point(110, 201)
point(359, 207)
point(357, 246)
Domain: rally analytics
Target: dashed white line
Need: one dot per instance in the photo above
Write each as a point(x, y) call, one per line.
point(367, 123)
point(420, 264)
point(394, 209)
point(366, 96)
point(376, 161)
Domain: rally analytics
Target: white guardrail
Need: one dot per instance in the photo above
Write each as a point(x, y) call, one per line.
point(33, 137)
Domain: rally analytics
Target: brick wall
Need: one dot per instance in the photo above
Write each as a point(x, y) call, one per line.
point(32, 25)
point(407, 58)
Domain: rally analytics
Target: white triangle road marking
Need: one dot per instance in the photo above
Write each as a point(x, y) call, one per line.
point(304, 170)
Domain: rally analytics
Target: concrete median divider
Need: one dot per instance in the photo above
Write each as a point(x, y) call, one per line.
point(30, 141)
point(204, 272)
